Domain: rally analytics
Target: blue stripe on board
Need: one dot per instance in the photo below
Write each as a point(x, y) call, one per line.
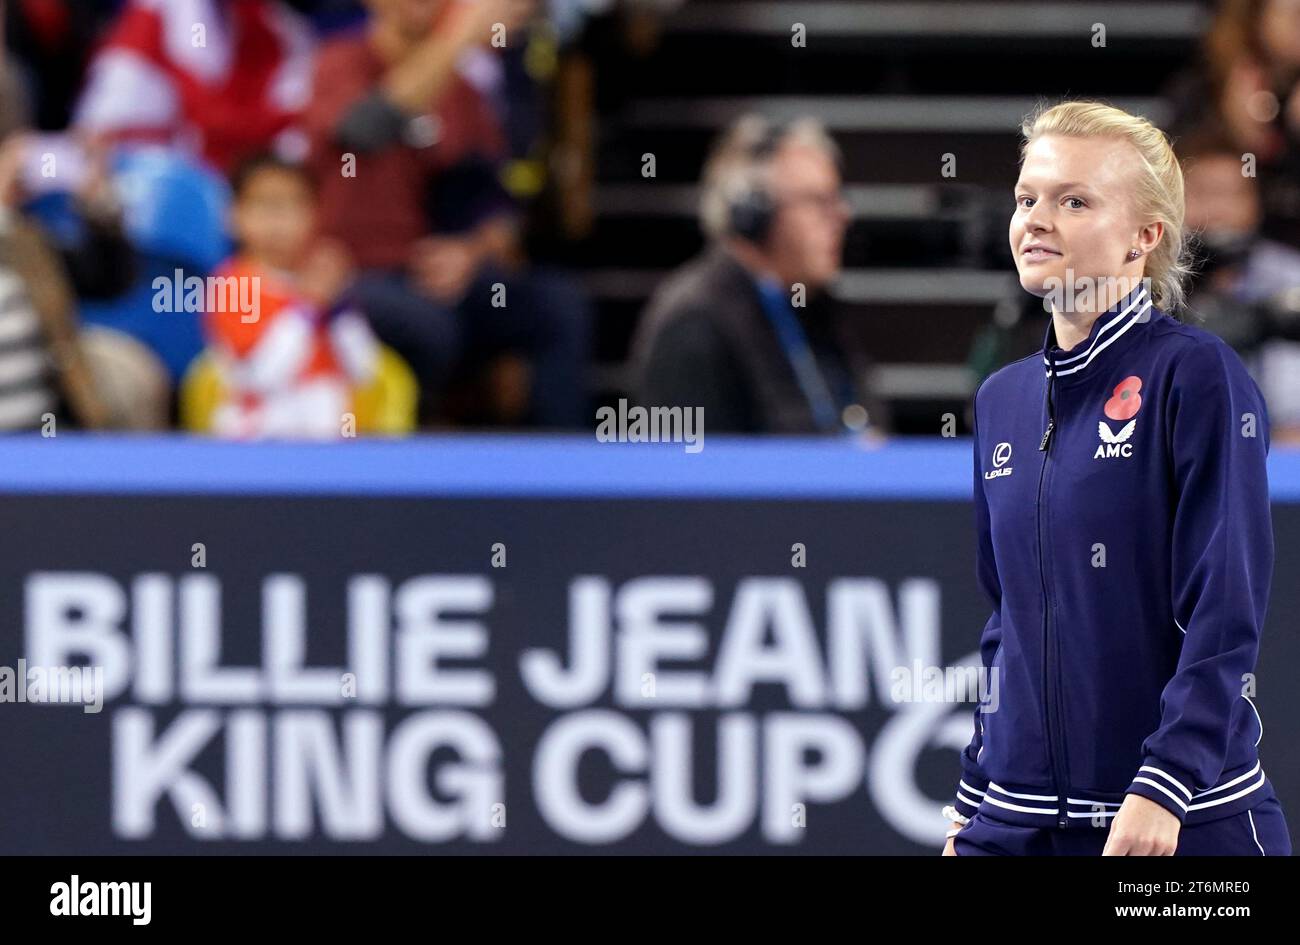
point(508, 465)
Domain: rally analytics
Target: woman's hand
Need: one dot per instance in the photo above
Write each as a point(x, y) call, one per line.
point(1142, 828)
point(949, 849)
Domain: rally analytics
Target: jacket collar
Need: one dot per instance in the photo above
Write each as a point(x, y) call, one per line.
point(1115, 323)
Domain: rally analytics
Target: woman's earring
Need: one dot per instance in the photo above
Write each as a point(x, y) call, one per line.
point(1133, 254)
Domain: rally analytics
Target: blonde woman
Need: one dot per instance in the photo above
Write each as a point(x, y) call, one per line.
point(1124, 532)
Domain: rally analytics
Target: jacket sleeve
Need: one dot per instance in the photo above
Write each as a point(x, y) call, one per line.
point(1222, 565)
point(973, 783)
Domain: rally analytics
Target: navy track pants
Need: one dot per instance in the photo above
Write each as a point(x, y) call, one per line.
point(1260, 831)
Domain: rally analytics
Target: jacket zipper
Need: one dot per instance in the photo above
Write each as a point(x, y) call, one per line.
point(1049, 693)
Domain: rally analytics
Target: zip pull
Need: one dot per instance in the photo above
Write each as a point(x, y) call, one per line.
point(1051, 412)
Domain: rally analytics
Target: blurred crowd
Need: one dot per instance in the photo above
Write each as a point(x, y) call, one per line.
point(264, 218)
point(267, 218)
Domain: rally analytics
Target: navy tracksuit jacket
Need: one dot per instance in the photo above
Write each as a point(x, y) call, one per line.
point(1125, 541)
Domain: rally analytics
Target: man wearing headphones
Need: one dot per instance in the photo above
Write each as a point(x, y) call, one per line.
point(745, 330)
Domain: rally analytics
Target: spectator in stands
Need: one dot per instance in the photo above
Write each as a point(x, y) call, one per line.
point(407, 151)
point(1246, 286)
point(747, 330)
point(49, 368)
point(1248, 83)
point(290, 360)
point(223, 78)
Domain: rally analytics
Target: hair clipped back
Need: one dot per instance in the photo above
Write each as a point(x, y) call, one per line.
point(1159, 190)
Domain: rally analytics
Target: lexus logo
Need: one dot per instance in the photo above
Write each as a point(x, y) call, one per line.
point(1001, 456)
